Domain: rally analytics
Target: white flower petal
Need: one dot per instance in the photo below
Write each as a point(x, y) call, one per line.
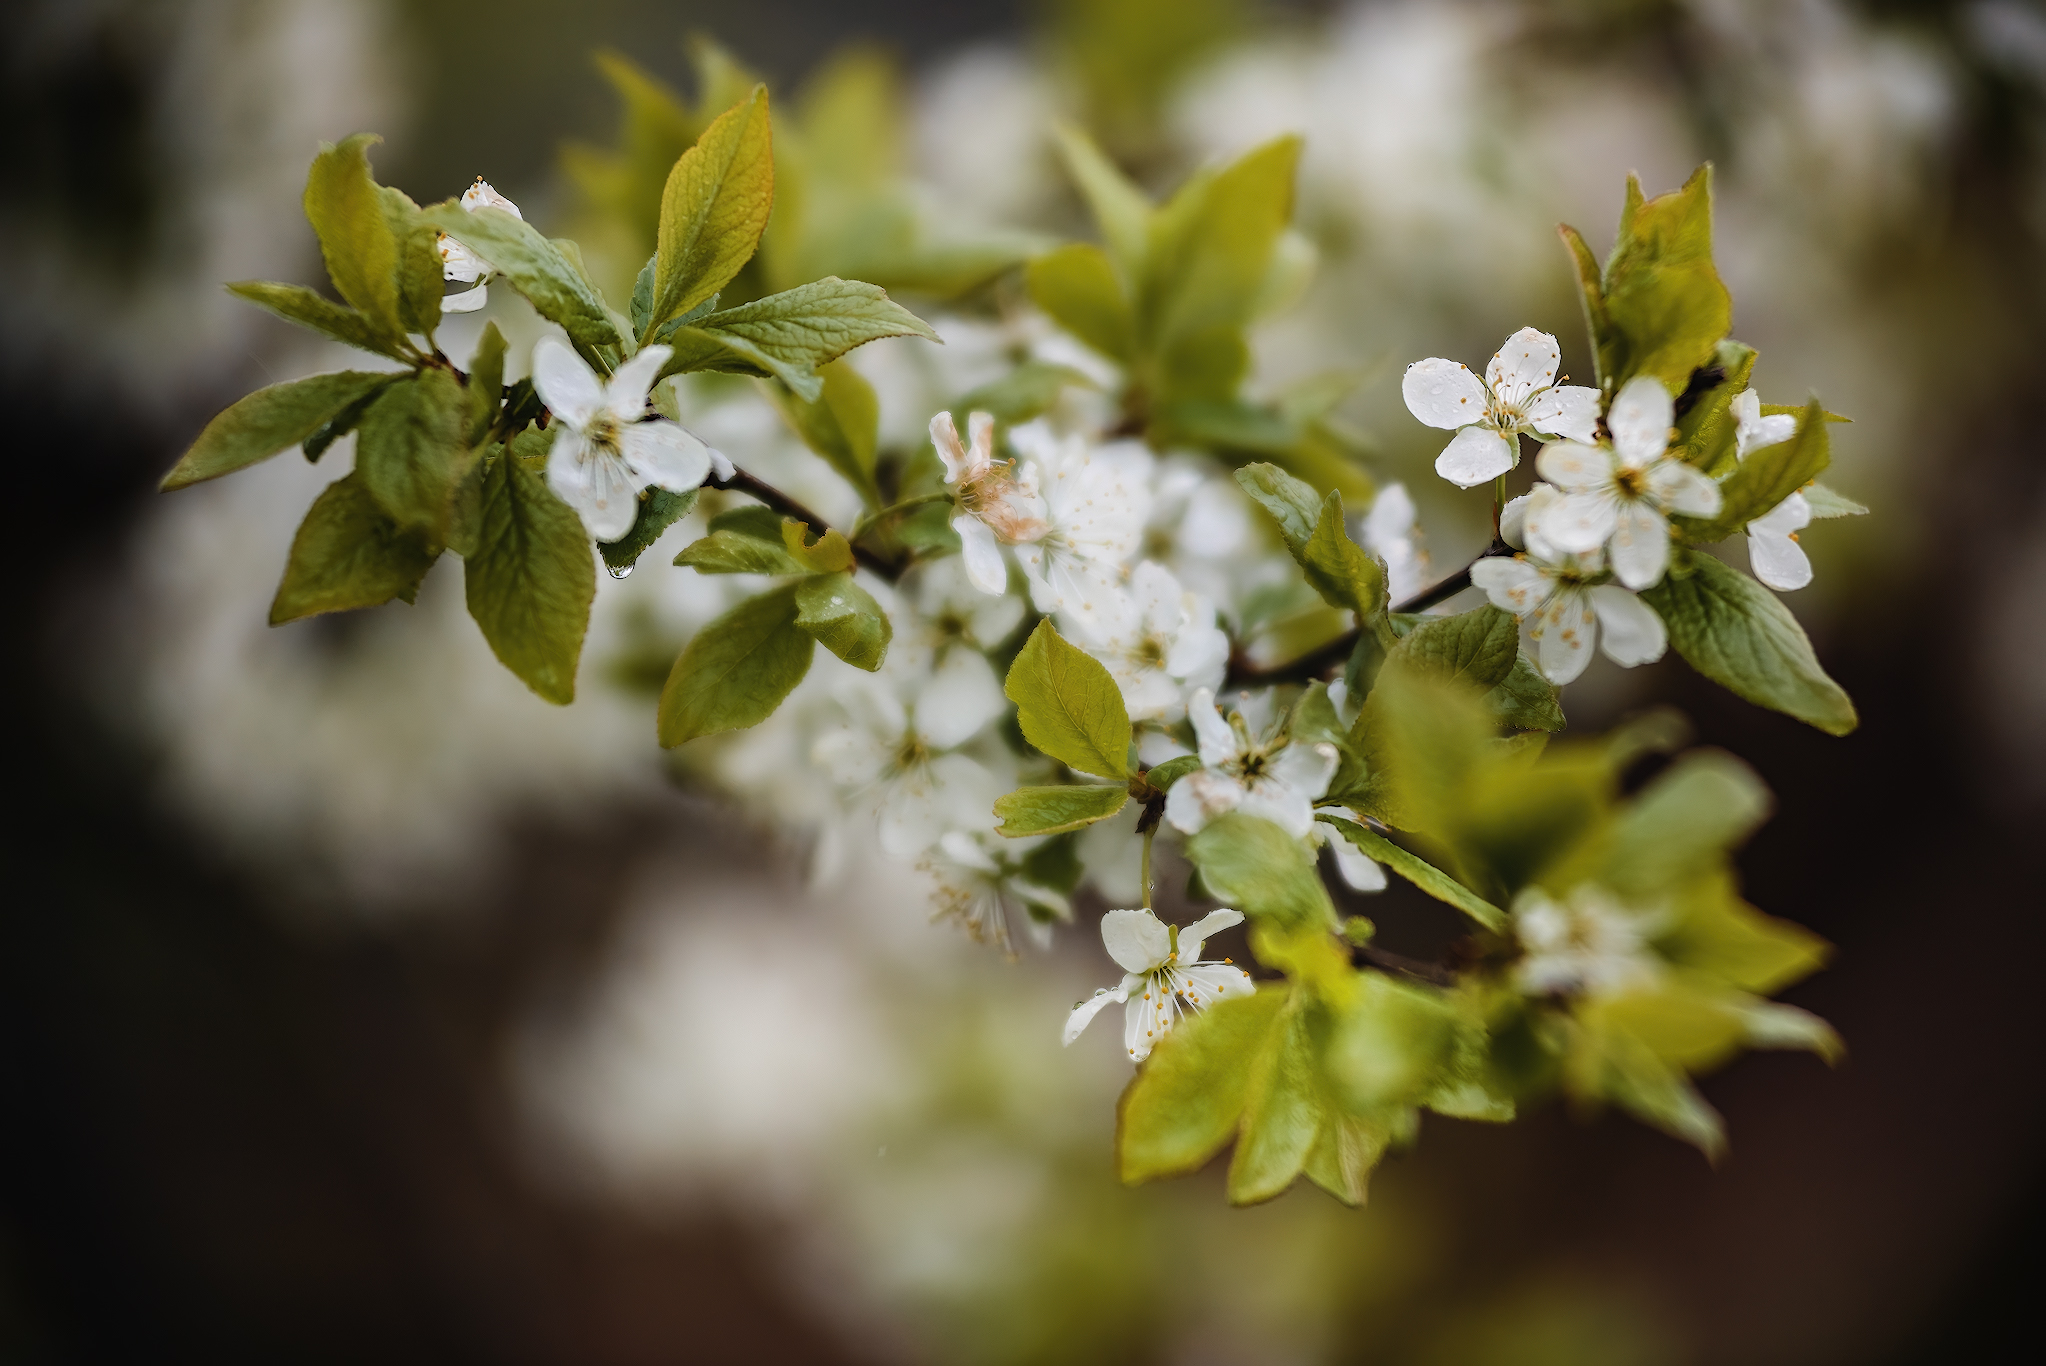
point(961, 697)
point(1286, 807)
point(468, 301)
point(1640, 420)
point(1443, 393)
point(982, 554)
point(1574, 524)
point(1206, 983)
point(626, 394)
point(569, 388)
point(1778, 560)
point(1563, 633)
point(482, 195)
point(1084, 1013)
point(945, 436)
point(1191, 937)
point(1359, 871)
point(1630, 631)
point(1513, 522)
point(1304, 768)
point(1474, 456)
point(664, 454)
point(595, 483)
point(1212, 734)
point(964, 850)
point(1137, 940)
point(1526, 363)
point(1569, 411)
point(1640, 545)
point(1575, 467)
point(1684, 488)
point(980, 438)
point(1146, 1018)
point(1199, 797)
point(1513, 585)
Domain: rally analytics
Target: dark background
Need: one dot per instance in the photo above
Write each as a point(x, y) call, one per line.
point(228, 1136)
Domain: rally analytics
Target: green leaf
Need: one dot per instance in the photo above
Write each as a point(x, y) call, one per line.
point(844, 619)
point(658, 511)
point(1049, 810)
point(345, 209)
point(1069, 706)
point(1256, 867)
point(271, 420)
point(419, 279)
point(1283, 1112)
point(1663, 295)
point(341, 424)
point(1420, 872)
point(486, 382)
point(408, 448)
point(828, 554)
point(1707, 430)
point(1025, 392)
point(534, 266)
point(842, 424)
point(1171, 771)
point(1187, 1099)
point(1120, 209)
point(1720, 936)
point(790, 334)
point(1826, 503)
point(1684, 824)
point(1526, 700)
point(1605, 342)
point(1766, 478)
point(311, 309)
point(737, 670)
point(1657, 1093)
point(1338, 567)
point(348, 554)
point(743, 540)
point(1211, 246)
point(714, 208)
point(1344, 1153)
point(1736, 633)
point(1478, 648)
point(530, 579)
point(1078, 288)
point(1294, 505)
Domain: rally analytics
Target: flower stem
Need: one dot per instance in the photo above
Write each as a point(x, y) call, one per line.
point(1499, 499)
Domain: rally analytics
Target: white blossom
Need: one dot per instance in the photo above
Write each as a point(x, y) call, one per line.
point(1618, 495)
point(943, 634)
point(1773, 552)
point(1165, 644)
point(1562, 605)
point(1391, 530)
point(1518, 394)
point(997, 504)
point(897, 754)
point(464, 266)
point(981, 893)
point(1259, 772)
point(606, 448)
point(1096, 499)
point(1587, 942)
point(1162, 966)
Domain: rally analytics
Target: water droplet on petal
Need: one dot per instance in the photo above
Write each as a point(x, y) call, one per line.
point(618, 571)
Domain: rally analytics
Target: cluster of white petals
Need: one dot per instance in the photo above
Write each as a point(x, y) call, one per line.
point(1162, 968)
point(1587, 942)
point(464, 266)
point(1259, 770)
point(606, 446)
point(1518, 394)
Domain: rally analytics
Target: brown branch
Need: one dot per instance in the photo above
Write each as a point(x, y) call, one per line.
point(742, 482)
point(1317, 662)
point(1436, 974)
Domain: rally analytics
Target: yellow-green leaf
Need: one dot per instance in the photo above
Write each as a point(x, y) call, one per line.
point(714, 208)
point(1069, 706)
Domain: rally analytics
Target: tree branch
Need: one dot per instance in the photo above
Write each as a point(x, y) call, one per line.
point(1316, 663)
point(742, 482)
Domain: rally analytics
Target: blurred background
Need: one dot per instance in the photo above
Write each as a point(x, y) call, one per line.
point(355, 1004)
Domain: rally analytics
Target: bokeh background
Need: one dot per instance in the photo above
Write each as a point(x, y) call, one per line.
point(356, 1005)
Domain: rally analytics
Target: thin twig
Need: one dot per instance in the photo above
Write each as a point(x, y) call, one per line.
point(1316, 663)
point(1438, 974)
point(767, 493)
